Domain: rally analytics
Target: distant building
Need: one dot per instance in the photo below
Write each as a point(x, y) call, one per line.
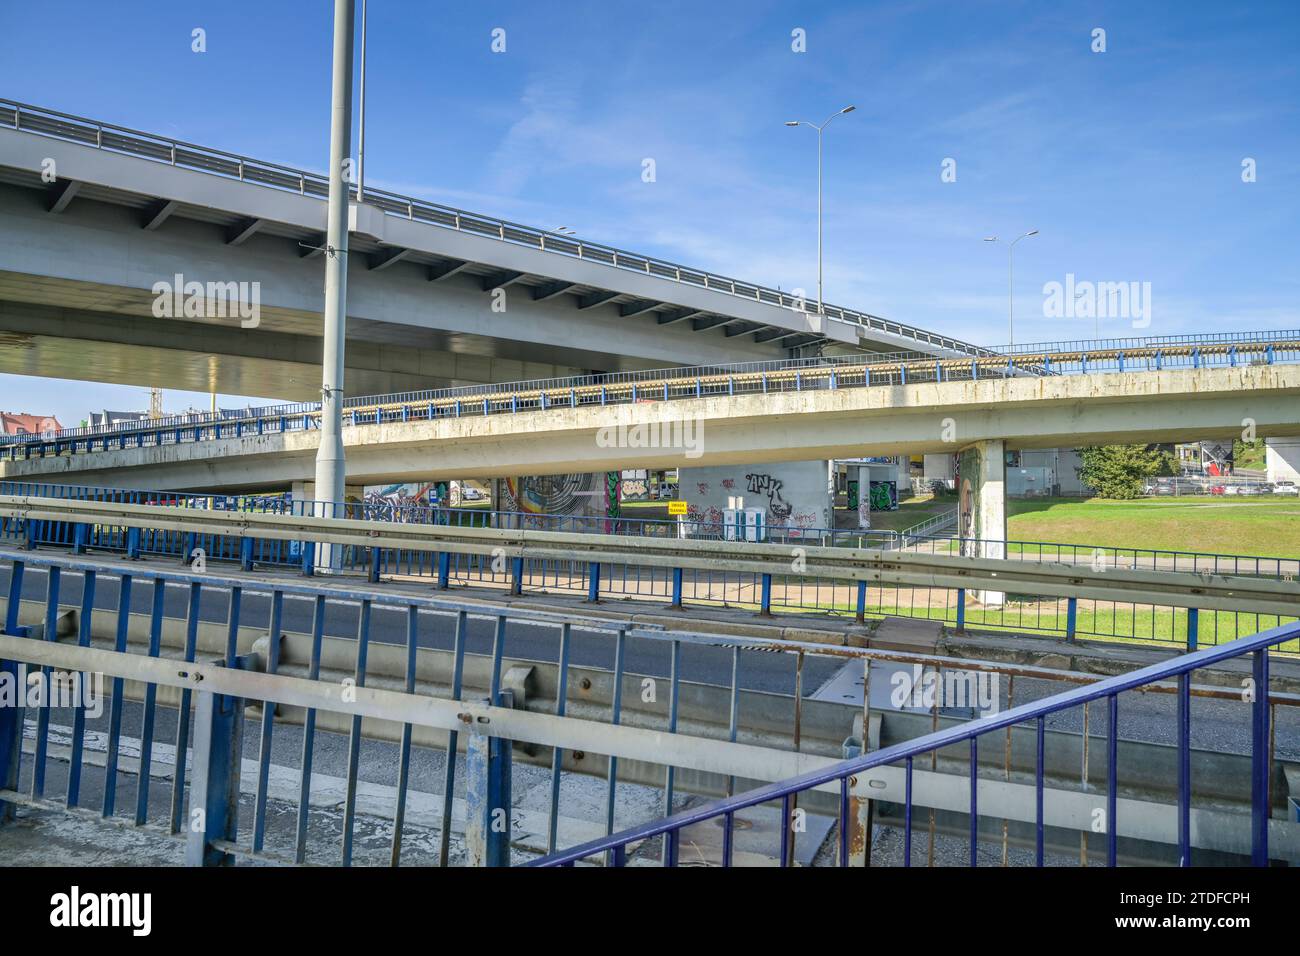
point(113, 418)
point(21, 423)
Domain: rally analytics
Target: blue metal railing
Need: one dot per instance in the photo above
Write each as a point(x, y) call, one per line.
point(621, 388)
point(614, 849)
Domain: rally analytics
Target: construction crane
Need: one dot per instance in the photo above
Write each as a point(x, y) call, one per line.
point(155, 403)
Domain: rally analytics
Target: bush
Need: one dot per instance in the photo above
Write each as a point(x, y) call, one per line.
point(1119, 471)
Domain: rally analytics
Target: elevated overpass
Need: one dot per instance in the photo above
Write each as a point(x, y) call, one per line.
point(1140, 391)
point(437, 296)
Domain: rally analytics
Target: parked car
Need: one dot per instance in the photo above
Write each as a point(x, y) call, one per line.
point(1286, 488)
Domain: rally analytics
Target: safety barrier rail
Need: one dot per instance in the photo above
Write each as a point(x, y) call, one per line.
point(637, 387)
point(162, 149)
point(1094, 599)
point(1050, 809)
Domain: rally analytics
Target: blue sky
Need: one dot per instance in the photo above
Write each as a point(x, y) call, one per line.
point(1127, 161)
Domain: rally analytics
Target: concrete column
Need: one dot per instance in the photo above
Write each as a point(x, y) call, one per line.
point(1282, 459)
point(938, 466)
point(982, 505)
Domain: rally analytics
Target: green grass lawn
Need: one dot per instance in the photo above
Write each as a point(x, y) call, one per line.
point(1263, 527)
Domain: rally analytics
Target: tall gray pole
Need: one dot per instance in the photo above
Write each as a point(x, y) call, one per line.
point(330, 465)
point(819, 217)
point(361, 120)
point(1011, 293)
point(820, 130)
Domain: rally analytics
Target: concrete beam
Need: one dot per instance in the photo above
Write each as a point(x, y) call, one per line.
point(740, 328)
point(640, 307)
point(550, 290)
point(594, 299)
point(382, 260)
point(63, 194)
point(313, 248)
point(241, 231)
point(158, 213)
point(677, 315)
point(703, 325)
point(445, 270)
point(772, 335)
point(500, 280)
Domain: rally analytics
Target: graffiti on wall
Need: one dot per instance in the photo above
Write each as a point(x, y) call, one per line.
point(968, 483)
point(778, 509)
point(394, 502)
point(553, 494)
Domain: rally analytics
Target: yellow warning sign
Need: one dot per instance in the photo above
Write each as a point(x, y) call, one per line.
point(677, 507)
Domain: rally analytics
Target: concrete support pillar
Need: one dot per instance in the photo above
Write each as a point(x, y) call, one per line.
point(938, 466)
point(982, 505)
point(1282, 459)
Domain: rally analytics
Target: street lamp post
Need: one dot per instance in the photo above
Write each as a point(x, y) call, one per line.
point(819, 129)
point(1011, 307)
point(330, 465)
point(361, 122)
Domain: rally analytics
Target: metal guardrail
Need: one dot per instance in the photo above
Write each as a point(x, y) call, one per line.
point(1098, 618)
point(623, 388)
point(770, 562)
point(1133, 343)
point(88, 132)
point(1047, 812)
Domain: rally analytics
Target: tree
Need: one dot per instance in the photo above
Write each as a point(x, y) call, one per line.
point(1119, 471)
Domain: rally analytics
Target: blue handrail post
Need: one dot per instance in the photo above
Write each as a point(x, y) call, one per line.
point(444, 569)
point(214, 780)
point(11, 739)
point(517, 576)
point(1260, 765)
point(1071, 618)
point(133, 544)
point(187, 547)
point(961, 610)
point(862, 602)
point(677, 589)
point(1193, 628)
point(308, 558)
point(487, 796)
point(80, 534)
point(593, 582)
point(374, 565)
point(245, 554)
point(29, 529)
point(766, 609)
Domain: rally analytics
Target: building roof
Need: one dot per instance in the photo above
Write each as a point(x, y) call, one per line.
point(21, 423)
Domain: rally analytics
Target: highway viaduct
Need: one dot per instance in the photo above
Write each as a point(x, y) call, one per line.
point(436, 296)
point(1019, 412)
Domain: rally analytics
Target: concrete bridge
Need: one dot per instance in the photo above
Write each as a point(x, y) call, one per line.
point(437, 296)
point(818, 423)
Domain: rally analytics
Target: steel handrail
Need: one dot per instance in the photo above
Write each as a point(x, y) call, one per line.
point(1037, 710)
